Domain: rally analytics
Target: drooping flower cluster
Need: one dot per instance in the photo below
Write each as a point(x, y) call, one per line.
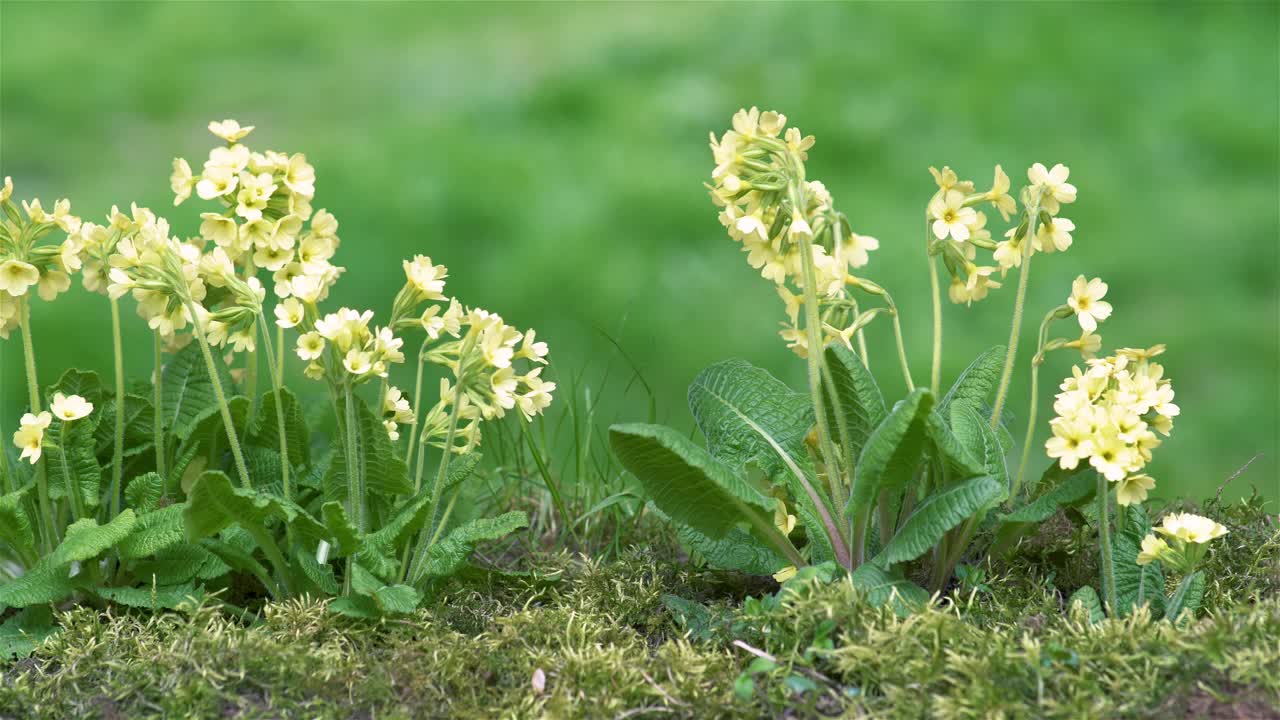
point(959, 230)
point(1188, 537)
point(769, 206)
point(1109, 415)
point(25, 261)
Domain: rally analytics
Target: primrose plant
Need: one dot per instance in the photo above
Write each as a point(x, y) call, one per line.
point(835, 474)
point(208, 481)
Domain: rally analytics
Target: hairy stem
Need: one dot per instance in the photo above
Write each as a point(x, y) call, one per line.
point(935, 374)
point(117, 452)
point(1104, 545)
point(897, 336)
point(157, 401)
point(1019, 302)
point(417, 399)
point(50, 532)
point(227, 421)
point(286, 487)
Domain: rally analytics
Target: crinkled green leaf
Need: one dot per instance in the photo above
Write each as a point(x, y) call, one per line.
point(266, 432)
point(84, 383)
point(1068, 487)
point(738, 550)
point(208, 431)
point(343, 535)
point(740, 407)
point(139, 427)
point(1136, 584)
point(16, 529)
point(975, 385)
point(893, 451)
point(49, 580)
point(45, 582)
point(1187, 597)
point(188, 394)
point(73, 465)
point(318, 574)
point(214, 504)
point(174, 597)
point(86, 539)
point(859, 396)
point(372, 598)
point(22, 633)
point(935, 516)
point(686, 482)
point(453, 550)
point(1087, 598)
point(981, 441)
point(961, 461)
point(882, 586)
point(385, 473)
point(143, 493)
point(155, 532)
point(178, 564)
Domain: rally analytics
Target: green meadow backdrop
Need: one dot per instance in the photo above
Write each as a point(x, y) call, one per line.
point(552, 156)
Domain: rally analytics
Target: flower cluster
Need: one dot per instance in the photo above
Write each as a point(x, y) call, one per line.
point(483, 355)
point(363, 351)
point(30, 435)
point(1188, 536)
point(1109, 415)
point(25, 261)
point(959, 230)
point(778, 216)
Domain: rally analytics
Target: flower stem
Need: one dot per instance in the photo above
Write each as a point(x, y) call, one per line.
point(158, 408)
point(417, 398)
point(812, 326)
point(227, 421)
point(73, 492)
point(50, 533)
point(1104, 544)
point(117, 452)
point(1019, 302)
point(424, 544)
point(935, 374)
point(902, 350)
point(355, 471)
point(286, 487)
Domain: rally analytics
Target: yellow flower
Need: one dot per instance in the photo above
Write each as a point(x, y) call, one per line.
point(1191, 528)
point(255, 190)
point(216, 182)
point(428, 279)
point(999, 194)
point(785, 573)
point(181, 181)
point(17, 276)
point(1153, 548)
point(1054, 186)
point(1054, 235)
point(230, 130)
point(950, 217)
point(1086, 300)
point(1071, 442)
point(30, 436)
point(310, 346)
point(7, 191)
point(70, 407)
point(358, 362)
point(854, 250)
point(1089, 344)
point(289, 313)
point(947, 180)
point(1133, 489)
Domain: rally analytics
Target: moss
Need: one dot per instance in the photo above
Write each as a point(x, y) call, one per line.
point(605, 643)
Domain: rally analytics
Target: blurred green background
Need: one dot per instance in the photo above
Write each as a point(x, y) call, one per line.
point(552, 156)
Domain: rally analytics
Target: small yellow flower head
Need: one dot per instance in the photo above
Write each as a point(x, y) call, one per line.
point(426, 278)
point(30, 436)
point(947, 179)
point(230, 130)
point(1153, 549)
point(289, 313)
point(999, 194)
point(70, 407)
point(7, 191)
point(1133, 489)
point(950, 216)
point(310, 346)
point(1053, 185)
point(785, 573)
point(1191, 528)
point(1089, 344)
point(1086, 300)
point(181, 181)
point(16, 277)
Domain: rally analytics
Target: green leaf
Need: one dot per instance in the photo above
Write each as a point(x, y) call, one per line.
point(892, 452)
point(738, 550)
point(143, 492)
point(178, 564)
point(974, 386)
point(15, 526)
point(79, 382)
point(45, 582)
point(343, 535)
point(208, 431)
point(266, 428)
point(859, 396)
point(155, 532)
point(374, 599)
point(881, 586)
point(1136, 584)
point(188, 393)
point(939, 513)
point(960, 461)
point(215, 504)
point(451, 553)
point(686, 482)
point(319, 575)
point(385, 472)
point(80, 471)
point(740, 408)
point(22, 633)
point(981, 441)
point(1087, 598)
point(86, 539)
point(176, 597)
point(1069, 487)
point(139, 427)
point(1187, 597)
